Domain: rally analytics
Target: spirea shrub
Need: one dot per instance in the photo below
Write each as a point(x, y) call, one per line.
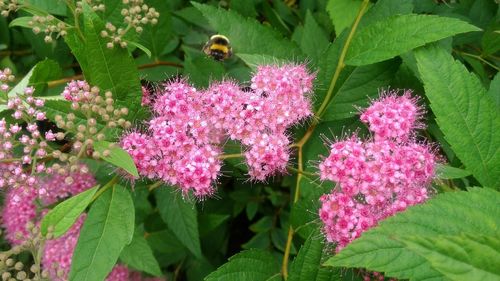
point(249, 140)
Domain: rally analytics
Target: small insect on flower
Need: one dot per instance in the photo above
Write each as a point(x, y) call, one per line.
point(218, 47)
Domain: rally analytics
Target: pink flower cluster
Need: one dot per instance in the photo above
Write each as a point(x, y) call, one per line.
point(20, 206)
point(183, 143)
point(376, 178)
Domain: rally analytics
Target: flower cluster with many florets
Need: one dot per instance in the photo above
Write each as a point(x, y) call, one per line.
point(376, 178)
point(183, 143)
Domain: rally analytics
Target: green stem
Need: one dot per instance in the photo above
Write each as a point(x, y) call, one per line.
point(105, 187)
point(341, 64)
point(315, 122)
point(478, 58)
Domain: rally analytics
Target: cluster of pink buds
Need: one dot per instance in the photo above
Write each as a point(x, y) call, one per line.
point(27, 110)
point(183, 143)
point(376, 178)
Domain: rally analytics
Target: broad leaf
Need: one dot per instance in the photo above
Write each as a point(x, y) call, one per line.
point(383, 248)
point(465, 113)
point(139, 256)
point(313, 41)
point(384, 39)
point(117, 156)
point(62, 217)
point(108, 228)
point(460, 257)
point(343, 13)
point(180, 217)
point(359, 86)
point(111, 69)
point(202, 70)
point(250, 265)
point(247, 35)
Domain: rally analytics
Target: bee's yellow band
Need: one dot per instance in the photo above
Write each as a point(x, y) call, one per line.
point(219, 47)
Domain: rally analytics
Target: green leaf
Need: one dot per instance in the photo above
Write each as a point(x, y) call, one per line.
point(360, 85)
point(108, 228)
point(448, 172)
point(117, 156)
point(343, 13)
point(383, 39)
point(45, 71)
point(55, 7)
point(464, 112)
point(460, 257)
point(139, 256)
point(140, 47)
point(111, 69)
point(22, 22)
point(304, 215)
point(313, 41)
point(254, 60)
point(494, 91)
point(156, 37)
point(62, 216)
point(454, 213)
point(250, 265)
point(247, 35)
point(307, 264)
point(180, 217)
point(384, 9)
point(203, 70)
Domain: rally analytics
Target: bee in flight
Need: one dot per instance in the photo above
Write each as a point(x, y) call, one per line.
point(218, 47)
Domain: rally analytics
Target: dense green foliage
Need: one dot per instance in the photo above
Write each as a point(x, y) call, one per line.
point(447, 51)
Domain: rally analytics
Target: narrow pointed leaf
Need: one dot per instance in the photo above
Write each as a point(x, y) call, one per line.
point(62, 217)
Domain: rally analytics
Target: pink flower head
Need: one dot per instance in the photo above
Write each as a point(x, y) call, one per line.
point(146, 96)
point(119, 273)
point(19, 209)
point(143, 152)
point(376, 178)
point(175, 100)
point(392, 116)
point(286, 93)
point(198, 170)
point(267, 156)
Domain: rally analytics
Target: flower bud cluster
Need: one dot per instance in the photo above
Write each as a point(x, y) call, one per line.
point(96, 5)
point(100, 111)
point(136, 14)
point(27, 110)
point(49, 25)
point(376, 178)
point(8, 6)
point(17, 270)
point(5, 78)
point(183, 142)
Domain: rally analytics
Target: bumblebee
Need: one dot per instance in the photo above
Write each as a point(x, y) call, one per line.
point(218, 48)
